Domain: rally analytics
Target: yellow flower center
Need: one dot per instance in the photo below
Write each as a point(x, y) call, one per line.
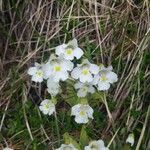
point(46, 106)
point(85, 72)
point(39, 73)
point(103, 78)
point(82, 113)
point(69, 51)
point(57, 68)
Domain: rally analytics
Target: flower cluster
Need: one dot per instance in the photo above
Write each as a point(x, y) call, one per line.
point(88, 78)
point(94, 145)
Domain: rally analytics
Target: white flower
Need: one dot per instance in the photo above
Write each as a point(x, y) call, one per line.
point(130, 139)
point(36, 73)
point(58, 68)
point(96, 145)
point(82, 113)
point(53, 87)
point(47, 107)
point(7, 148)
point(84, 88)
point(70, 50)
point(105, 78)
point(67, 147)
point(85, 71)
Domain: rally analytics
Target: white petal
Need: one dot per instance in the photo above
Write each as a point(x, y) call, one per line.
point(91, 89)
point(53, 87)
point(53, 91)
point(67, 65)
point(32, 70)
point(130, 139)
point(87, 148)
point(37, 65)
point(66, 147)
point(78, 85)
point(51, 110)
point(7, 148)
point(76, 73)
point(86, 78)
point(101, 143)
point(60, 49)
point(79, 119)
point(44, 102)
point(94, 69)
point(102, 86)
point(36, 78)
point(78, 52)
point(81, 93)
point(69, 56)
point(47, 70)
point(109, 68)
point(63, 75)
point(89, 111)
point(73, 43)
point(112, 77)
point(95, 80)
point(75, 109)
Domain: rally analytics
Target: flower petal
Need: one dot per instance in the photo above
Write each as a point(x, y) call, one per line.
point(76, 73)
point(32, 70)
point(82, 93)
point(91, 89)
point(36, 78)
point(47, 70)
point(73, 43)
point(63, 75)
point(94, 69)
point(78, 85)
point(60, 49)
point(102, 86)
point(79, 119)
point(68, 56)
point(67, 65)
point(86, 78)
point(112, 77)
point(75, 109)
point(96, 79)
point(78, 52)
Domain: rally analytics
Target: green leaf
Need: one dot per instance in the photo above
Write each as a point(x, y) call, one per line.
point(69, 139)
point(72, 98)
point(126, 147)
point(84, 139)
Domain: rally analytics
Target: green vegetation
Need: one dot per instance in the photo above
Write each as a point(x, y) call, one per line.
point(111, 32)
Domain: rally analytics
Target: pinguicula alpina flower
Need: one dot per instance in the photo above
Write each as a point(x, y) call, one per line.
point(57, 67)
point(82, 113)
point(53, 87)
point(84, 89)
point(104, 78)
point(36, 72)
point(96, 145)
point(67, 147)
point(85, 71)
point(130, 139)
point(70, 50)
point(47, 107)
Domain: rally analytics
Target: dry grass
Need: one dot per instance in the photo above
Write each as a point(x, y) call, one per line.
point(113, 32)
